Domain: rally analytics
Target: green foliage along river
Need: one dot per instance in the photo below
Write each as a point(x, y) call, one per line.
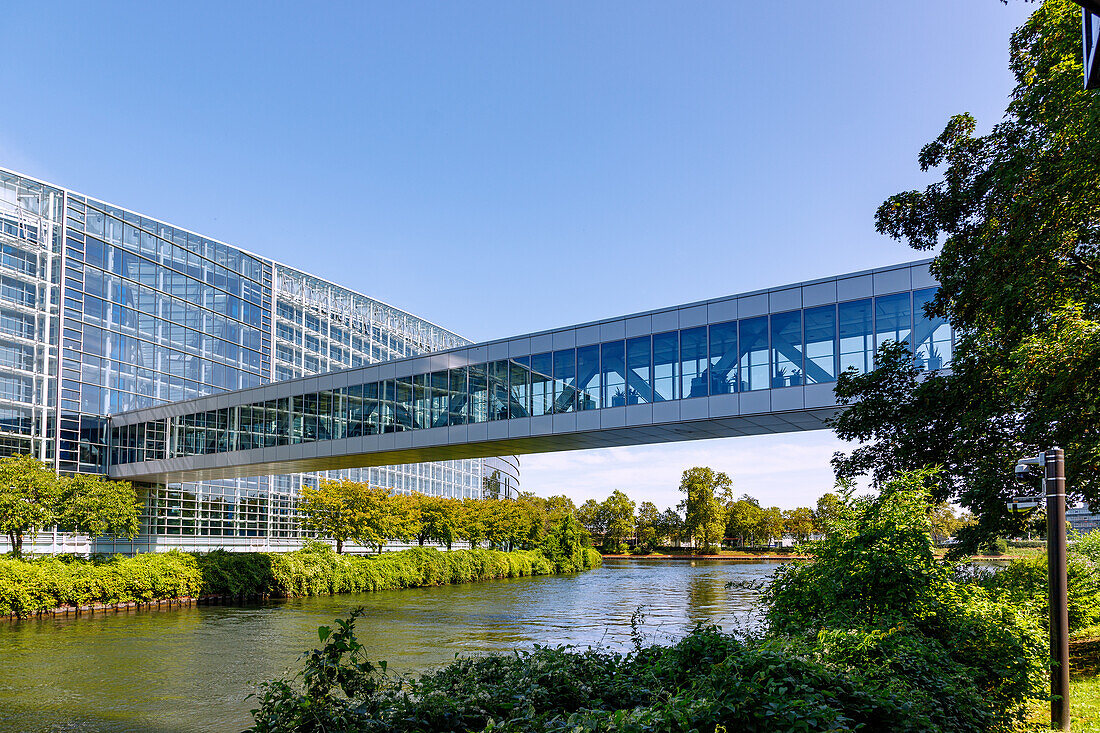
point(190, 669)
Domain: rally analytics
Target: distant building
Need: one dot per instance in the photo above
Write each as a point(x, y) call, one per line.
point(1083, 519)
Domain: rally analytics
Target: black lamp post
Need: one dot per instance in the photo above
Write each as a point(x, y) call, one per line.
point(1053, 463)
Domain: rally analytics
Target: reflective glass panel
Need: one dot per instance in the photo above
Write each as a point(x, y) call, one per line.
point(422, 401)
point(372, 409)
point(439, 384)
point(753, 346)
point(403, 406)
point(893, 318)
point(588, 377)
point(565, 377)
point(613, 381)
point(639, 371)
point(666, 358)
point(693, 362)
point(787, 349)
point(457, 408)
point(723, 358)
point(857, 349)
point(519, 387)
point(821, 344)
point(932, 336)
point(542, 384)
point(479, 393)
point(498, 390)
point(355, 411)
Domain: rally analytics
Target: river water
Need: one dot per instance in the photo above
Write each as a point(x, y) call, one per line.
point(190, 669)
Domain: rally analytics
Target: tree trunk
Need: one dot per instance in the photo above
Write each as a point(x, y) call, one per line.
point(339, 547)
point(16, 539)
point(421, 540)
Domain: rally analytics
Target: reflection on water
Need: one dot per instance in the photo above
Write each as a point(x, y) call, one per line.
point(190, 669)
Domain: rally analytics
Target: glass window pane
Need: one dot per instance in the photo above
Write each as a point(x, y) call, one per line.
point(588, 377)
point(498, 390)
point(440, 398)
point(932, 336)
point(519, 387)
point(639, 371)
point(857, 349)
point(693, 362)
point(666, 358)
point(753, 346)
point(893, 318)
point(324, 415)
point(403, 406)
point(422, 401)
point(355, 411)
point(372, 409)
point(565, 378)
point(723, 358)
point(821, 344)
point(542, 384)
point(479, 393)
point(456, 408)
point(386, 406)
point(613, 379)
point(787, 349)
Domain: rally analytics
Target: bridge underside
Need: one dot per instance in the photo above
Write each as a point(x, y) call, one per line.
point(437, 444)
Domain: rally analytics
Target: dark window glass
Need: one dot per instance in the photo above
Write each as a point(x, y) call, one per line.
point(479, 393)
point(403, 406)
point(565, 379)
point(893, 318)
point(439, 397)
point(693, 362)
point(931, 336)
point(457, 409)
point(613, 381)
point(542, 384)
point(422, 401)
point(588, 377)
point(519, 387)
point(723, 358)
point(639, 371)
point(753, 345)
point(821, 344)
point(857, 349)
point(498, 390)
point(787, 349)
point(666, 359)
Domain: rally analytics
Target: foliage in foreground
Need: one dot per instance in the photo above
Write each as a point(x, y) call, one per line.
point(875, 634)
point(27, 587)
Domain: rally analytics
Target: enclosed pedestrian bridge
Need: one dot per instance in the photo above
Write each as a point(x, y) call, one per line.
point(760, 362)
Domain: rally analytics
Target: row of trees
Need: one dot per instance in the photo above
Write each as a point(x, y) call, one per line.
point(33, 498)
point(372, 516)
point(710, 515)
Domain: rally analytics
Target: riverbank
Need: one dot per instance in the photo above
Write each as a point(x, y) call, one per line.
point(725, 556)
point(71, 586)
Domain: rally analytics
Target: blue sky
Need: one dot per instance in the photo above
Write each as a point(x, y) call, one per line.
point(501, 168)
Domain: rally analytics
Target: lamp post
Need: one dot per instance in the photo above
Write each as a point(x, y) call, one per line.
point(1053, 463)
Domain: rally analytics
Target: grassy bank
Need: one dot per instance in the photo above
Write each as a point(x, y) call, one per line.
point(32, 586)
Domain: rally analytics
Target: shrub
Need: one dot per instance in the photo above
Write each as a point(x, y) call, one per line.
point(1024, 583)
point(30, 586)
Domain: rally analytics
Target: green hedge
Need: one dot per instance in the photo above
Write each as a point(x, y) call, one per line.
point(30, 586)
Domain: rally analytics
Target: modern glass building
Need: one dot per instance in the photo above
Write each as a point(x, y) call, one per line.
point(104, 310)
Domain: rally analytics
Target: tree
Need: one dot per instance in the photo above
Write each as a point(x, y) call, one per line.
point(592, 516)
point(558, 506)
point(1016, 216)
point(704, 513)
point(743, 518)
point(564, 544)
point(92, 505)
point(798, 523)
point(472, 525)
point(618, 513)
point(829, 507)
point(28, 497)
point(771, 525)
point(439, 518)
point(348, 510)
point(670, 526)
point(944, 523)
point(647, 526)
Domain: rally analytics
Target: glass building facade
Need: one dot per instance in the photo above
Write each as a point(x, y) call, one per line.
point(773, 351)
point(103, 310)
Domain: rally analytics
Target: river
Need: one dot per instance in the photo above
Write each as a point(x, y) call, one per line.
point(190, 669)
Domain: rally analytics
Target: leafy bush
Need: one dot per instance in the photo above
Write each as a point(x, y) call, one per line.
point(30, 586)
point(1024, 583)
point(874, 634)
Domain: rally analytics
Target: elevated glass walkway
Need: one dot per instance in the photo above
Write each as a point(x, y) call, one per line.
point(761, 362)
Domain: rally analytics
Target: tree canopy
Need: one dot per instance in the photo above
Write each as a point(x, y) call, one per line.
point(1016, 215)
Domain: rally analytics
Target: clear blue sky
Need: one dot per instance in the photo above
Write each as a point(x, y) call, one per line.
point(503, 168)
